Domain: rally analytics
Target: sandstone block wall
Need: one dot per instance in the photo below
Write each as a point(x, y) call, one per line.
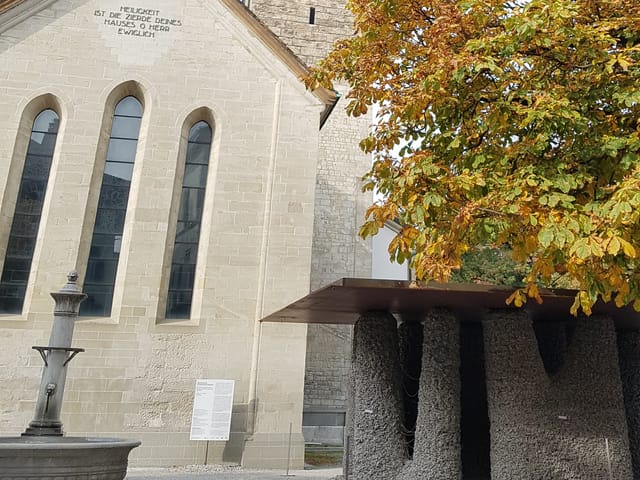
point(339, 203)
point(138, 374)
point(337, 252)
point(291, 22)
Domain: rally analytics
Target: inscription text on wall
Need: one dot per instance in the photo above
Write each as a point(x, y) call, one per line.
point(137, 22)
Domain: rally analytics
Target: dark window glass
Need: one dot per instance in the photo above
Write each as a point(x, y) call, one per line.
point(42, 143)
point(122, 150)
point(125, 127)
point(195, 176)
point(98, 302)
point(200, 133)
point(128, 107)
point(100, 278)
point(191, 204)
point(119, 173)
point(36, 167)
point(115, 197)
point(26, 218)
point(199, 153)
point(31, 196)
point(185, 248)
point(187, 232)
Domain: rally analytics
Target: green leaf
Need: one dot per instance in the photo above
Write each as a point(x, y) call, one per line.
point(545, 237)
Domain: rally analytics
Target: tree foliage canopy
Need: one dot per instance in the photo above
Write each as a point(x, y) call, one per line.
point(504, 124)
point(490, 266)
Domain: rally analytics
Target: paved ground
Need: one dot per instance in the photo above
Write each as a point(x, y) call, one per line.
point(219, 472)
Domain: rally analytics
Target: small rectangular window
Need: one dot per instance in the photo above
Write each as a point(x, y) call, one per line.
point(312, 16)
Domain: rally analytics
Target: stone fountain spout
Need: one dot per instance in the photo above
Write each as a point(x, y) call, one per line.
point(43, 452)
point(56, 357)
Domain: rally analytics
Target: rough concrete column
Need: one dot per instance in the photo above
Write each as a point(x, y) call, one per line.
point(629, 361)
point(569, 426)
point(347, 457)
point(378, 445)
point(516, 386)
point(589, 389)
point(436, 455)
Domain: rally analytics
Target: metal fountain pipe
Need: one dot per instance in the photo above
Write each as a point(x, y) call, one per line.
point(56, 357)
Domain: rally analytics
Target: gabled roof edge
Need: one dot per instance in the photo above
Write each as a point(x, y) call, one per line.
point(9, 4)
point(13, 12)
point(280, 49)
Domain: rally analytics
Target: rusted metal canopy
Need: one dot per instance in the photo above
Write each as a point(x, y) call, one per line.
point(343, 301)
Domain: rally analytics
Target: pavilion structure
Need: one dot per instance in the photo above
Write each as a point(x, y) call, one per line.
point(448, 382)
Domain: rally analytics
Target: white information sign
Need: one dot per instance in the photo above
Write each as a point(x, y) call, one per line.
point(212, 405)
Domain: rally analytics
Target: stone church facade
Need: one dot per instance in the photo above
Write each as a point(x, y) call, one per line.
point(310, 28)
point(169, 152)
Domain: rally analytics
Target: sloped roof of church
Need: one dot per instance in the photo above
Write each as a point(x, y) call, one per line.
point(7, 4)
point(255, 26)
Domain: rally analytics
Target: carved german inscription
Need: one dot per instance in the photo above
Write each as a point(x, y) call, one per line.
point(137, 22)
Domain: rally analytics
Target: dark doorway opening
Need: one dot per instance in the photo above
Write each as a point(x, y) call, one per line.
point(411, 337)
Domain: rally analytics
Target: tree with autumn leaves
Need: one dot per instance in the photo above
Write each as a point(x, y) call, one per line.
point(505, 124)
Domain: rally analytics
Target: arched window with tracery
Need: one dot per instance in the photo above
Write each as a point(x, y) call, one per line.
point(104, 253)
point(185, 248)
point(28, 211)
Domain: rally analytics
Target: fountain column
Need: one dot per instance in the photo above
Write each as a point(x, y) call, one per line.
point(56, 357)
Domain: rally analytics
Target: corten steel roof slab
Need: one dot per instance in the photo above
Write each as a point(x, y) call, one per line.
point(343, 301)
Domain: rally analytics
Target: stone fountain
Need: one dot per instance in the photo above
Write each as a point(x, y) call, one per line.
point(43, 452)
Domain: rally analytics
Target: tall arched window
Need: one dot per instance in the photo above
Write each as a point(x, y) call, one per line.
point(185, 249)
point(100, 278)
point(26, 218)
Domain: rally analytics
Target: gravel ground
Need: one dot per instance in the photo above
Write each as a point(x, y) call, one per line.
point(227, 472)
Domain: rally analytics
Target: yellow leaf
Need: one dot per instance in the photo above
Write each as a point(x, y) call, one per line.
point(613, 246)
point(628, 249)
point(574, 307)
point(596, 250)
point(518, 298)
point(533, 292)
point(585, 303)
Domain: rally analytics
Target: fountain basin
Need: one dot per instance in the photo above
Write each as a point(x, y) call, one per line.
point(64, 458)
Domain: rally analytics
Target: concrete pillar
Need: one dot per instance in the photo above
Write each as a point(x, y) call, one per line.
point(629, 361)
point(568, 426)
point(378, 444)
point(436, 454)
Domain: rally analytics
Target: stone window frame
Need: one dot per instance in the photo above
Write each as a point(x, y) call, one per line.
point(173, 310)
point(200, 114)
point(118, 93)
point(45, 101)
